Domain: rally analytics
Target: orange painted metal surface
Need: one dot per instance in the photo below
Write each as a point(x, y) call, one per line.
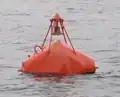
point(58, 57)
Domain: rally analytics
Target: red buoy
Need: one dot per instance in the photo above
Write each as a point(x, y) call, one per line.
point(58, 57)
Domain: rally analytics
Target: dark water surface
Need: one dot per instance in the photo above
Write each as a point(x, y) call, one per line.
point(94, 28)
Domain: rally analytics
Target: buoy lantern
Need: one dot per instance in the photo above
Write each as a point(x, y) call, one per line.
point(58, 57)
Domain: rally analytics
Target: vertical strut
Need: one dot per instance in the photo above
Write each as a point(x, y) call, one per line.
point(69, 40)
point(62, 27)
point(46, 35)
point(50, 38)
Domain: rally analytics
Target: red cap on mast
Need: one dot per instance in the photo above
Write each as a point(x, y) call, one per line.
point(57, 18)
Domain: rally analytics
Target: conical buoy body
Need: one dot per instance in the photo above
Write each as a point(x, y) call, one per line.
point(59, 59)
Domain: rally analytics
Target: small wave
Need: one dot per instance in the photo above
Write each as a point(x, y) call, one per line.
point(3, 66)
point(16, 14)
point(107, 50)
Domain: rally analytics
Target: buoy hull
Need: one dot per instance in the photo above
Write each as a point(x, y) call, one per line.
point(58, 59)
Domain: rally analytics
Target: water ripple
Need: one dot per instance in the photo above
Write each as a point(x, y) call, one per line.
point(93, 27)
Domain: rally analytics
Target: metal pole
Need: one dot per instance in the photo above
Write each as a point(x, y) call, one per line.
point(69, 40)
point(62, 27)
point(46, 35)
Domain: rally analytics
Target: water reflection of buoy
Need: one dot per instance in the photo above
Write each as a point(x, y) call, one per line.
point(58, 58)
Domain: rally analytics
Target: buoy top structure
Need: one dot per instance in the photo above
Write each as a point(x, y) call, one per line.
point(57, 57)
point(57, 21)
